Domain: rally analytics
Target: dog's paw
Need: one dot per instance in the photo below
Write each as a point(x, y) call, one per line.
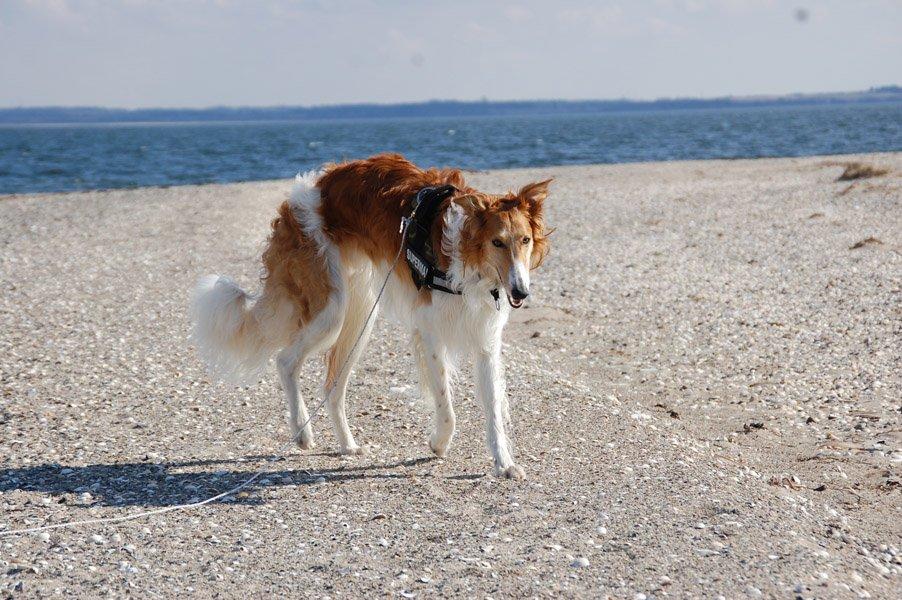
point(439, 448)
point(353, 451)
point(304, 442)
point(514, 472)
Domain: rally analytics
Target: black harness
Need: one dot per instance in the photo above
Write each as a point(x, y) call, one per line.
point(421, 256)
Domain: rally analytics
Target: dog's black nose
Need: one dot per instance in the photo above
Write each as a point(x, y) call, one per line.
point(518, 294)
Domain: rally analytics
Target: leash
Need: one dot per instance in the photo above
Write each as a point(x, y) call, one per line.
point(279, 451)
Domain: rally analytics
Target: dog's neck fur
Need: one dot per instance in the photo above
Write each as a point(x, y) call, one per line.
point(449, 228)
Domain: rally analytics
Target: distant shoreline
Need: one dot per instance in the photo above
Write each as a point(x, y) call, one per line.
point(326, 120)
point(431, 109)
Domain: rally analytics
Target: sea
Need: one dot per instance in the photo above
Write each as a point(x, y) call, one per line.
point(58, 158)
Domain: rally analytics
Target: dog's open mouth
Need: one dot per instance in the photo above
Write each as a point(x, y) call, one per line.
point(514, 303)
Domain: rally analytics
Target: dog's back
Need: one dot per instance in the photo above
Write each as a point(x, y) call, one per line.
point(362, 202)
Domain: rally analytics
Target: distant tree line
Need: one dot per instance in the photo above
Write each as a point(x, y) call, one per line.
point(434, 108)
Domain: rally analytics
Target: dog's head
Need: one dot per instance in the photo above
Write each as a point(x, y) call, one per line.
point(504, 237)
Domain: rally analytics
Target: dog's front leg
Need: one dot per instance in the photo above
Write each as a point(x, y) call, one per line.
point(490, 389)
point(435, 383)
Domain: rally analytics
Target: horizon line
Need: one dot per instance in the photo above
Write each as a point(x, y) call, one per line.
point(888, 88)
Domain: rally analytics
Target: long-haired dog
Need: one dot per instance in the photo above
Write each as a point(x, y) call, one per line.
point(332, 245)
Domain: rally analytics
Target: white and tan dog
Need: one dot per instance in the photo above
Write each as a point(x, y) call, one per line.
point(331, 247)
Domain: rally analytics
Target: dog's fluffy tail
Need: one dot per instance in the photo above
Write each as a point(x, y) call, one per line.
point(231, 331)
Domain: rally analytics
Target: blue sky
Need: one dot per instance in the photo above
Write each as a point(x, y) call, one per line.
point(140, 53)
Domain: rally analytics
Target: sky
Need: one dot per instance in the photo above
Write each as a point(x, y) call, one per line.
point(196, 53)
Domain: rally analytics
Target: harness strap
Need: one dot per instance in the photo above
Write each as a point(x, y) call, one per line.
point(420, 255)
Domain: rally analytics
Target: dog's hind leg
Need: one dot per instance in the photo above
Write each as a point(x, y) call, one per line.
point(435, 382)
point(341, 359)
point(314, 338)
point(289, 363)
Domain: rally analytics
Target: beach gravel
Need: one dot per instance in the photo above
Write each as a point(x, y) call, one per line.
point(705, 388)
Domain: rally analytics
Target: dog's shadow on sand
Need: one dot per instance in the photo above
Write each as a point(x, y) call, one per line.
point(170, 483)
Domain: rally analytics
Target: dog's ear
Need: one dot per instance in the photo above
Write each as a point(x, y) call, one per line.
point(510, 203)
point(534, 195)
point(472, 205)
point(540, 250)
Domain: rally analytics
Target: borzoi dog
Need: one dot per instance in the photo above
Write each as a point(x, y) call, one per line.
point(333, 244)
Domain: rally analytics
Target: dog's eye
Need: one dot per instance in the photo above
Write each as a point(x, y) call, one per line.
point(525, 240)
point(498, 243)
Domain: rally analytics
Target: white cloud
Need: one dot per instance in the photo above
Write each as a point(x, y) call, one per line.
point(599, 17)
point(56, 9)
point(478, 30)
point(665, 27)
point(517, 13)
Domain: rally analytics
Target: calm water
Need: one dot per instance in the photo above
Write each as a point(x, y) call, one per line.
point(57, 158)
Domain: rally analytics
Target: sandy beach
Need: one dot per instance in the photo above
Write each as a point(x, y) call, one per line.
point(706, 389)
